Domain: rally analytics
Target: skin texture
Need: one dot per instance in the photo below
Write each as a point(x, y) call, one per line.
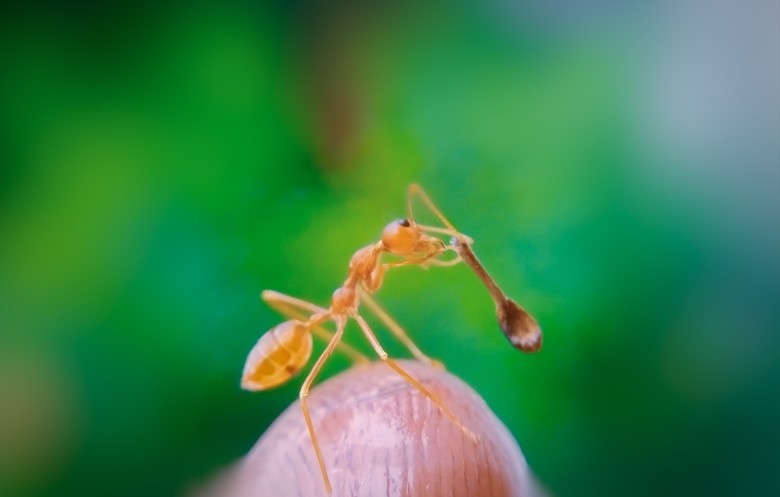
point(381, 437)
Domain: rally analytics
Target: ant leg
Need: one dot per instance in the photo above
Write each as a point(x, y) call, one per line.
point(420, 261)
point(440, 262)
point(340, 322)
point(396, 329)
point(429, 260)
point(406, 376)
point(287, 306)
point(271, 297)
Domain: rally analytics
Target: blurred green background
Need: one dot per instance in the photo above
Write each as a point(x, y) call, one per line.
point(616, 163)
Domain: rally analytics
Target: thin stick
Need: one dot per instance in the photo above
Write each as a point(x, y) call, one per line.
point(470, 258)
point(519, 327)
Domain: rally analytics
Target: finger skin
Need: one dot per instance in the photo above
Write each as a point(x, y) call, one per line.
point(381, 437)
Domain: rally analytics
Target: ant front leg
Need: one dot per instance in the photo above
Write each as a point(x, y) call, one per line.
point(445, 263)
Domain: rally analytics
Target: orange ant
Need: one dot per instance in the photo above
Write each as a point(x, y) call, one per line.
point(285, 349)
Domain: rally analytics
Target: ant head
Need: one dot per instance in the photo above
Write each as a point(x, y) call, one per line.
point(401, 237)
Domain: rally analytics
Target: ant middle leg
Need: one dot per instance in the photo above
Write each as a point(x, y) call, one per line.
point(291, 307)
point(396, 329)
point(406, 376)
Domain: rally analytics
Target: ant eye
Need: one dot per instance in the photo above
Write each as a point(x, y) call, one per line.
point(404, 222)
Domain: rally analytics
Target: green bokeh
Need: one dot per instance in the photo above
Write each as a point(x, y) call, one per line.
point(163, 165)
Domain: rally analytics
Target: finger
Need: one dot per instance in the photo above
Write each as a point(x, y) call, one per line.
point(380, 436)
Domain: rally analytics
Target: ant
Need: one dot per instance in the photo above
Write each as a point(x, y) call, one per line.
point(285, 349)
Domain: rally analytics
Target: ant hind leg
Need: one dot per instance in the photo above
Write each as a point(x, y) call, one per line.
point(340, 322)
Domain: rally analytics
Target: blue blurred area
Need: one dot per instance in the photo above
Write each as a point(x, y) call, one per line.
point(617, 163)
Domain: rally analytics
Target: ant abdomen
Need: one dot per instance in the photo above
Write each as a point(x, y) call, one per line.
point(278, 356)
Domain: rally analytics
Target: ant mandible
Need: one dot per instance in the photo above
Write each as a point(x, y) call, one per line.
point(285, 349)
